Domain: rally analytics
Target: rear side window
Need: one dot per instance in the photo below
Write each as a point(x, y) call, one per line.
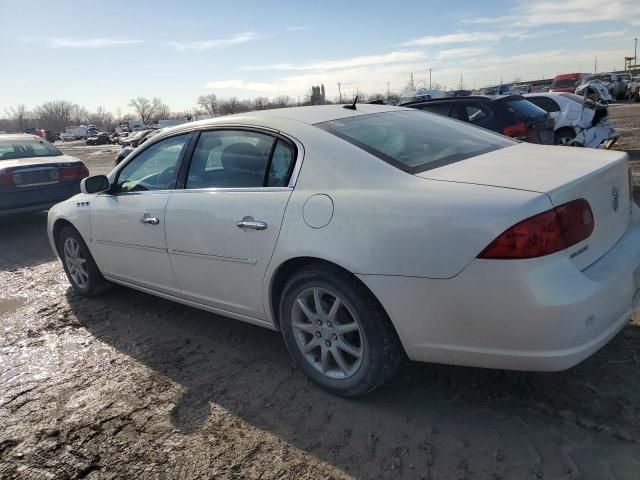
point(475, 113)
point(545, 103)
point(415, 141)
point(565, 83)
point(524, 110)
point(439, 108)
point(26, 148)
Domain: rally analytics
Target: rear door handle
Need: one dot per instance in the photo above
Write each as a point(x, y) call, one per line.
point(150, 220)
point(252, 224)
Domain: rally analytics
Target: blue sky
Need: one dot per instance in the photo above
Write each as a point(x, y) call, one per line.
point(104, 53)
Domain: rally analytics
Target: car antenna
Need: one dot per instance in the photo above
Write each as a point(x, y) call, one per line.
point(353, 105)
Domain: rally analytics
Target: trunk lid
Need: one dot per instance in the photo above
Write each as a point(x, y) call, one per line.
point(35, 171)
point(563, 174)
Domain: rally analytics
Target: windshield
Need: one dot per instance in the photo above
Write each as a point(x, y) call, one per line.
point(415, 141)
point(12, 148)
point(564, 83)
point(488, 91)
point(597, 78)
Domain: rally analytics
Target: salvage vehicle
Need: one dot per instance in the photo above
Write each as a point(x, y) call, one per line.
point(34, 174)
point(123, 153)
point(496, 90)
point(633, 89)
point(567, 82)
point(420, 94)
point(596, 91)
point(367, 233)
point(101, 138)
point(612, 82)
point(578, 121)
point(511, 115)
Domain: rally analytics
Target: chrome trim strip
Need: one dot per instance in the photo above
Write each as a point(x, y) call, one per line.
point(211, 256)
point(236, 189)
point(132, 245)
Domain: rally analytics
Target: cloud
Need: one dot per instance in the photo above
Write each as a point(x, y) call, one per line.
point(615, 33)
point(491, 20)
point(98, 42)
point(297, 28)
point(452, 53)
point(393, 57)
point(236, 39)
point(464, 37)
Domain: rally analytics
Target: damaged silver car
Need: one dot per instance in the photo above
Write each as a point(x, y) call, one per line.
point(578, 121)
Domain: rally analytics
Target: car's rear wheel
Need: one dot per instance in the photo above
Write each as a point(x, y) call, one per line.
point(566, 136)
point(81, 269)
point(337, 331)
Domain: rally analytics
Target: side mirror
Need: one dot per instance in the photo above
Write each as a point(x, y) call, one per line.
point(95, 184)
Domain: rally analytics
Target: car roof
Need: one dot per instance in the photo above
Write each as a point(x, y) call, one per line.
point(309, 115)
point(19, 136)
point(485, 98)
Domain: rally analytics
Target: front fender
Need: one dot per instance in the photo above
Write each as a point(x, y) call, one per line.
point(76, 211)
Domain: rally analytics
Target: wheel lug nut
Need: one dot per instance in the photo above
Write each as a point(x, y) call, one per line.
point(328, 324)
point(317, 334)
point(319, 322)
point(334, 336)
point(327, 343)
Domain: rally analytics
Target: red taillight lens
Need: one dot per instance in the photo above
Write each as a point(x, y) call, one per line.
point(545, 233)
point(67, 174)
point(519, 130)
point(6, 178)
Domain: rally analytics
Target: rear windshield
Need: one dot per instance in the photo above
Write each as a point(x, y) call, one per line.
point(565, 83)
point(415, 141)
point(525, 110)
point(26, 148)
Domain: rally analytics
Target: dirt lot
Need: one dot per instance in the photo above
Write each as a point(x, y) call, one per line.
point(130, 386)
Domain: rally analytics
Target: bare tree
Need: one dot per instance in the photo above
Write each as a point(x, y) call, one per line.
point(19, 115)
point(162, 112)
point(55, 115)
point(79, 114)
point(146, 108)
point(230, 106)
point(261, 103)
point(209, 104)
point(281, 102)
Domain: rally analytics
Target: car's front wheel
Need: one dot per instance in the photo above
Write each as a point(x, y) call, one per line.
point(337, 331)
point(81, 269)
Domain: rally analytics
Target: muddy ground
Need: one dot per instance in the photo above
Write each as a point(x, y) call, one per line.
point(127, 385)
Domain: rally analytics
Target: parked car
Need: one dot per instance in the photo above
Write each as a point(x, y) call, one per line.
point(420, 94)
point(139, 138)
point(496, 90)
point(401, 233)
point(511, 115)
point(456, 93)
point(101, 138)
point(567, 82)
point(612, 82)
point(595, 90)
point(123, 153)
point(633, 89)
point(67, 137)
point(34, 174)
point(578, 122)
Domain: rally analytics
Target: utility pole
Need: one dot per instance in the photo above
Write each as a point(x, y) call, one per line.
point(595, 65)
point(388, 92)
point(635, 51)
point(429, 79)
point(340, 92)
point(460, 82)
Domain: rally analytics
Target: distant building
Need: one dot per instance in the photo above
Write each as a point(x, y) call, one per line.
point(317, 95)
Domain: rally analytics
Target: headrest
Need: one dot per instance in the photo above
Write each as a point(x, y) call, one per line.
point(243, 157)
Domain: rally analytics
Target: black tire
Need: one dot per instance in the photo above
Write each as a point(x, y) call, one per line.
point(564, 134)
point(96, 283)
point(381, 348)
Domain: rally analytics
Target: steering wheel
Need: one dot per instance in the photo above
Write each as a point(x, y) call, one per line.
point(165, 176)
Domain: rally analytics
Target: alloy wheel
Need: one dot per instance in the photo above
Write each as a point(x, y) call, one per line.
point(76, 263)
point(327, 333)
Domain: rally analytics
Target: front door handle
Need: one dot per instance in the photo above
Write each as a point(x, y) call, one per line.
point(252, 224)
point(150, 220)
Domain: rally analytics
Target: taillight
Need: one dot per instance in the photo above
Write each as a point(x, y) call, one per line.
point(518, 130)
point(545, 233)
point(67, 174)
point(6, 178)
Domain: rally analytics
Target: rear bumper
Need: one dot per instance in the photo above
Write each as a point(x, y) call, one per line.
point(33, 199)
point(538, 315)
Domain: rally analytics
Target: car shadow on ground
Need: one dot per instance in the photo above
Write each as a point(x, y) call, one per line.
point(24, 241)
point(425, 411)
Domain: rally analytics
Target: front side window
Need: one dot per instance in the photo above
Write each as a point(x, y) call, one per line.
point(475, 113)
point(26, 148)
point(415, 141)
point(545, 103)
point(155, 168)
point(239, 159)
point(524, 110)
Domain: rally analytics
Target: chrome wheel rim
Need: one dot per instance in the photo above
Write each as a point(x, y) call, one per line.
point(76, 263)
point(327, 333)
point(566, 140)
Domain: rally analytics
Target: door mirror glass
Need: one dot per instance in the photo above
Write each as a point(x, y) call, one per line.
point(95, 184)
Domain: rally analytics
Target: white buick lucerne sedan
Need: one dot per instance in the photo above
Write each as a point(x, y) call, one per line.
point(368, 234)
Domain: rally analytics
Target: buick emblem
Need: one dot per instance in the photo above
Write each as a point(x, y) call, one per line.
point(615, 202)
